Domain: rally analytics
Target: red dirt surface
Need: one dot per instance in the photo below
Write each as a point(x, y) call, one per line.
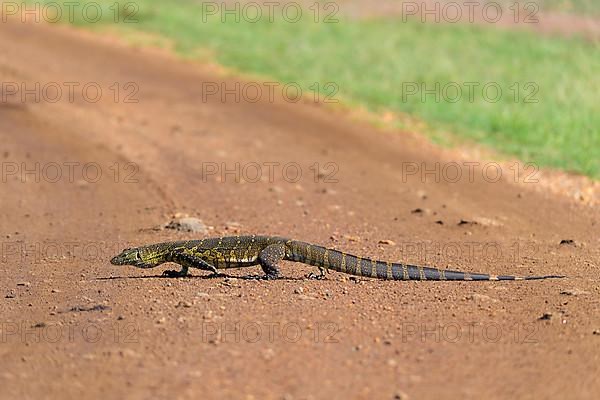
point(75, 326)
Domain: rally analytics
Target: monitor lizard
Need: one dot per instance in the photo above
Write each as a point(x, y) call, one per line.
point(213, 254)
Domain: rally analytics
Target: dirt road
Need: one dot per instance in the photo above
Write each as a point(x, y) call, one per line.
point(73, 325)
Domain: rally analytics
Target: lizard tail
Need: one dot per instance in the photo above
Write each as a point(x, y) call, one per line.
point(323, 257)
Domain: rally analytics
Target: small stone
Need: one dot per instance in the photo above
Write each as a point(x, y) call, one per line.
point(187, 224)
point(483, 221)
point(299, 290)
point(23, 283)
point(400, 395)
point(545, 317)
point(184, 304)
point(569, 242)
point(574, 292)
point(128, 353)
point(480, 297)
point(55, 291)
point(268, 354)
point(233, 226)
point(387, 241)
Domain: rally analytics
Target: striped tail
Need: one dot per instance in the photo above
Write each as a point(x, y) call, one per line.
point(322, 257)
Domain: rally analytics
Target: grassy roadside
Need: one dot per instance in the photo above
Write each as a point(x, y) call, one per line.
point(591, 7)
point(545, 112)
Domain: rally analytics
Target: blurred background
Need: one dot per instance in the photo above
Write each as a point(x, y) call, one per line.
point(521, 78)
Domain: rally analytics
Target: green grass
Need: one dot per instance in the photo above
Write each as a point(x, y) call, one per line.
point(371, 60)
point(590, 7)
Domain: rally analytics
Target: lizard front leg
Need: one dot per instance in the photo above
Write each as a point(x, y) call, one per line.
point(187, 260)
point(269, 257)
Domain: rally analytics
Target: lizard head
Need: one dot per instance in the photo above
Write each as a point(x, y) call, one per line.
point(140, 257)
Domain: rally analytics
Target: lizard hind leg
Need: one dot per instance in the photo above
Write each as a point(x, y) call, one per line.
point(269, 259)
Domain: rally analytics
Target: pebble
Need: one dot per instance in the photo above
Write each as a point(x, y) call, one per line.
point(187, 224)
point(387, 241)
point(185, 304)
point(299, 290)
point(233, 226)
point(574, 292)
point(480, 297)
point(400, 395)
point(545, 317)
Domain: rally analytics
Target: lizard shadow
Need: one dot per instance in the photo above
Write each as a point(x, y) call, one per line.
point(245, 278)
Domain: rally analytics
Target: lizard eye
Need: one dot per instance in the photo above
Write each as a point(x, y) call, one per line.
point(137, 256)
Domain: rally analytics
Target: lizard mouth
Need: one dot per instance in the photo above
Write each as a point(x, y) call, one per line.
point(117, 260)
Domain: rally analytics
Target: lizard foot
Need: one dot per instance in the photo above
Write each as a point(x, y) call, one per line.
point(315, 276)
point(271, 276)
point(174, 274)
point(321, 275)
